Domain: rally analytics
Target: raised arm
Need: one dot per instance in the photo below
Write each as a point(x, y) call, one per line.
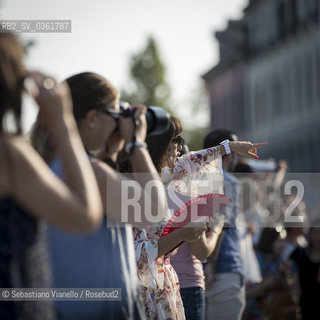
point(74, 205)
point(150, 202)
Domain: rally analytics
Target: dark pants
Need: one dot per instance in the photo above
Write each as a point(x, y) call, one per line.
point(193, 299)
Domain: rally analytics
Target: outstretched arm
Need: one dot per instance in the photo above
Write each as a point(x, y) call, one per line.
point(191, 161)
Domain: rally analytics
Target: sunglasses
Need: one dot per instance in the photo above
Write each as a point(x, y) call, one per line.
point(177, 139)
point(114, 114)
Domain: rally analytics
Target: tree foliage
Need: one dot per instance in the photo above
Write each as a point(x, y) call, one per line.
point(148, 86)
point(148, 83)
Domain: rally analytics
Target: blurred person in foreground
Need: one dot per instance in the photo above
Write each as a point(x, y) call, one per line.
point(30, 193)
point(104, 259)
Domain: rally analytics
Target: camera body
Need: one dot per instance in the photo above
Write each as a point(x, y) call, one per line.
point(157, 118)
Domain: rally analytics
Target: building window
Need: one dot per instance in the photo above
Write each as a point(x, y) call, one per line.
point(317, 68)
point(309, 80)
point(313, 10)
point(302, 12)
point(291, 88)
point(317, 11)
point(260, 105)
point(298, 85)
point(276, 98)
point(292, 15)
point(316, 156)
point(281, 19)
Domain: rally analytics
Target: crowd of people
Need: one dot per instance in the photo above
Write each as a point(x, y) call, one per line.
point(61, 205)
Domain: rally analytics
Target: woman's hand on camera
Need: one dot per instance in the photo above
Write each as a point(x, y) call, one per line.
point(53, 98)
point(246, 148)
point(126, 125)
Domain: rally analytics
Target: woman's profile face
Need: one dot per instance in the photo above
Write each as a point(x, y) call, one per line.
point(173, 153)
point(106, 125)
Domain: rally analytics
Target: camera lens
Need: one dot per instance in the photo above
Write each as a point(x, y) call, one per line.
point(157, 120)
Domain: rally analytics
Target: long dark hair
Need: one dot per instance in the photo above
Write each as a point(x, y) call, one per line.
point(157, 147)
point(158, 144)
point(12, 75)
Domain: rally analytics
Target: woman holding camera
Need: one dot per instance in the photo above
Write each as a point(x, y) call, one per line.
point(104, 259)
point(29, 192)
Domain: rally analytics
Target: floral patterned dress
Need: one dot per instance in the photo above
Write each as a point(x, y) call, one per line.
point(158, 280)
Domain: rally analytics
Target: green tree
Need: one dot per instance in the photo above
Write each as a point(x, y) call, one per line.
point(148, 83)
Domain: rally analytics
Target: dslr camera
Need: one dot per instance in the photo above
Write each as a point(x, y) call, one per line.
point(157, 118)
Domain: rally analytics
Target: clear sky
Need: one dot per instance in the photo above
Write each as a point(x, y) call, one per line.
point(106, 32)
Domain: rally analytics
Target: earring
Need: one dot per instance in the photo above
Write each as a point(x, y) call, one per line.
point(91, 125)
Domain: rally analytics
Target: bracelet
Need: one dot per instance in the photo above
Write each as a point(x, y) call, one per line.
point(130, 146)
point(225, 143)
